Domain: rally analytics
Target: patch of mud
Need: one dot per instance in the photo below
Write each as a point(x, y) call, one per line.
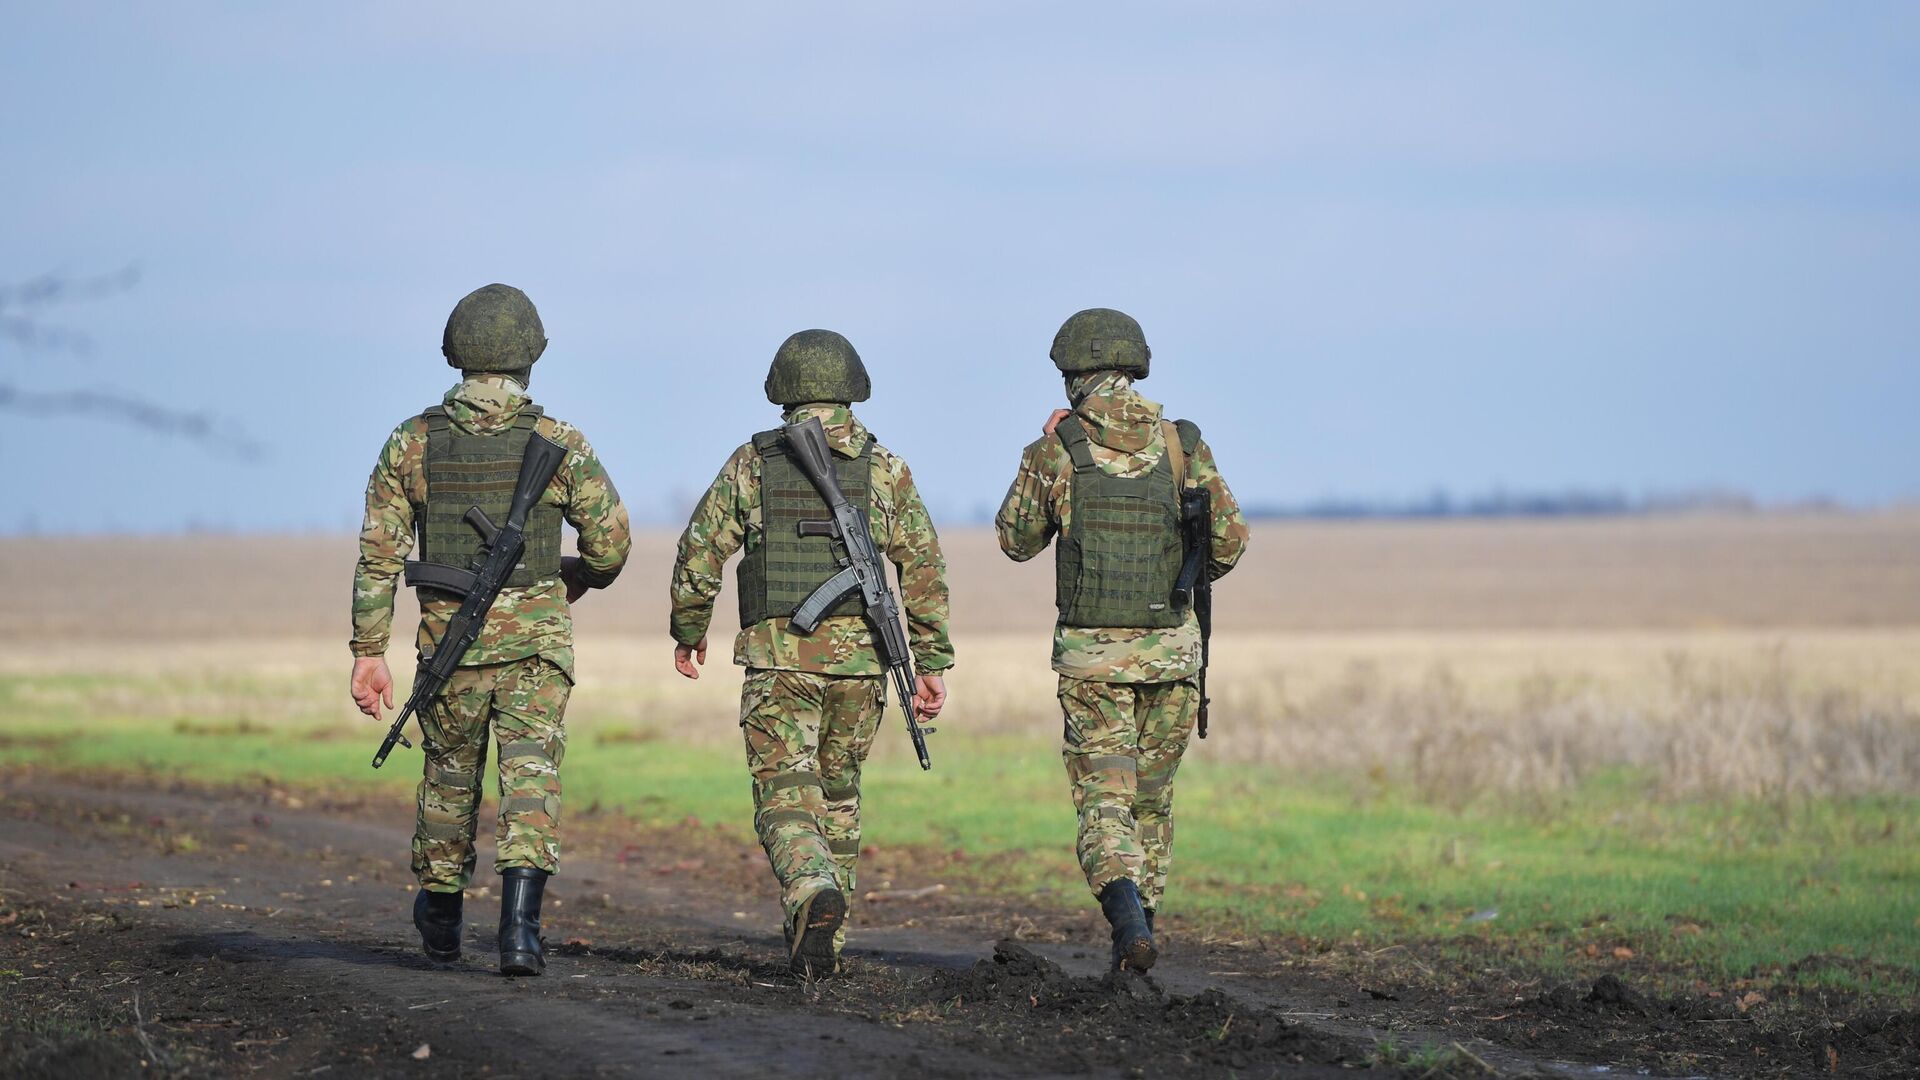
point(1719, 1034)
point(1123, 1020)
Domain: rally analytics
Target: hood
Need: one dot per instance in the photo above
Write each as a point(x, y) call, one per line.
point(1115, 415)
point(485, 404)
point(846, 435)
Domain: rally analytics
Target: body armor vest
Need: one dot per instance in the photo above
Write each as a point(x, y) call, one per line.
point(465, 470)
point(1118, 560)
point(785, 567)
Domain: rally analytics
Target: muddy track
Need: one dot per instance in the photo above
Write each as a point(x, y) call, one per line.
point(257, 933)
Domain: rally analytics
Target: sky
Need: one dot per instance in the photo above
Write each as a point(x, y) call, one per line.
point(1377, 249)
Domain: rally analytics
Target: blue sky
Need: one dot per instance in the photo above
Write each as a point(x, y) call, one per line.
point(1377, 249)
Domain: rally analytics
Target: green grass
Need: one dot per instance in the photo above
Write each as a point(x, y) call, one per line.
point(1709, 891)
point(1448, 1062)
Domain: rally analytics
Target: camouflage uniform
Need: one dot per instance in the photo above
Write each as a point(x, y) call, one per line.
point(1128, 693)
point(811, 705)
point(514, 681)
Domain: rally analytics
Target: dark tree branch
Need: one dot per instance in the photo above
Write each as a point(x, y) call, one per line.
point(20, 308)
point(198, 426)
point(49, 289)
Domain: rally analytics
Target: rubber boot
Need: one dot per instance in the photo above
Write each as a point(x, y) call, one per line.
point(814, 926)
point(437, 916)
point(1132, 939)
point(1148, 912)
point(520, 889)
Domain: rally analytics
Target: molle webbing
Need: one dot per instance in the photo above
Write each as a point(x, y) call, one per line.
point(1118, 559)
point(785, 567)
point(465, 470)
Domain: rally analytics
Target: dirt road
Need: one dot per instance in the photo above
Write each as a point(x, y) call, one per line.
point(174, 930)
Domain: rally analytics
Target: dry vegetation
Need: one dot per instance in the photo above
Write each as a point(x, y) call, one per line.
point(1754, 656)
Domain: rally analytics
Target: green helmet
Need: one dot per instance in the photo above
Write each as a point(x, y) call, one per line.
point(1101, 339)
point(494, 328)
point(817, 365)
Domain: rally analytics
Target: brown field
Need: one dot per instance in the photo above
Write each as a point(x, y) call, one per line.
point(1750, 654)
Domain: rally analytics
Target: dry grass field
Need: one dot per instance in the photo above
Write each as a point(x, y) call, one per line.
point(1752, 655)
point(1467, 761)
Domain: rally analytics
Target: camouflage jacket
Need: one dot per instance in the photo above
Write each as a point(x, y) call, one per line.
point(728, 518)
point(1128, 440)
point(533, 621)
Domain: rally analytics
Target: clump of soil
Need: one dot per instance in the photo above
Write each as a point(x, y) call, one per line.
point(1124, 1019)
point(1719, 1032)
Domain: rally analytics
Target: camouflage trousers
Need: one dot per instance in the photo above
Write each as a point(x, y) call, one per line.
point(807, 735)
point(1122, 744)
point(521, 703)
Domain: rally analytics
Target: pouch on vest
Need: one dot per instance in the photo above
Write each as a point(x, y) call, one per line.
point(465, 471)
point(787, 566)
point(1118, 561)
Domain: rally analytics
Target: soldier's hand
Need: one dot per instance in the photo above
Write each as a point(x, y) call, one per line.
point(372, 683)
point(1054, 420)
point(929, 696)
point(570, 573)
point(684, 657)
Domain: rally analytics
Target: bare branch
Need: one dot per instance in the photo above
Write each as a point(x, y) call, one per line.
point(21, 307)
point(217, 434)
point(49, 289)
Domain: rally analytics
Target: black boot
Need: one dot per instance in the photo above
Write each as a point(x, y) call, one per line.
point(814, 925)
point(1148, 912)
point(520, 889)
point(437, 916)
point(1132, 939)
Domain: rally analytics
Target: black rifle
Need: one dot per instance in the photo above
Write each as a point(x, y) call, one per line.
point(861, 571)
point(1195, 585)
point(478, 588)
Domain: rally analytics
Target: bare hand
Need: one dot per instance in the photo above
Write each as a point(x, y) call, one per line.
point(929, 696)
point(1053, 421)
point(372, 683)
point(684, 657)
point(570, 574)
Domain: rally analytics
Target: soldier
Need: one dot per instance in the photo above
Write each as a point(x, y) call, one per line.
point(811, 704)
point(514, 681)
point(1107, 477)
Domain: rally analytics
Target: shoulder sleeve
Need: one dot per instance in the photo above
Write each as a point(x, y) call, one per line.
point(715, 531)
point(1034, 508)
point(396, 485)
point(914, 549)
point(1230, 531)
point(591, 505)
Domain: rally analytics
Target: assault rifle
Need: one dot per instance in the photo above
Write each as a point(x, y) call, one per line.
point(861, 571)
point(1194, 588)
point(478, 588)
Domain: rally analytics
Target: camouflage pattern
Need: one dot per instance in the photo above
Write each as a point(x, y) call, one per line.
point(524, 622)
point(494, 329)
point(728, 518)
point(817, 365)
point(1122, 745)
point(807, 735)
point(1127, 693)
point(521, 702)
point(1129, 440)
point(1101, 339)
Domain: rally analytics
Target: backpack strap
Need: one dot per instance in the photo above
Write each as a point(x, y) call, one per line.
point(1073, 435)
point(1183, 437)
point(1176, 452)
